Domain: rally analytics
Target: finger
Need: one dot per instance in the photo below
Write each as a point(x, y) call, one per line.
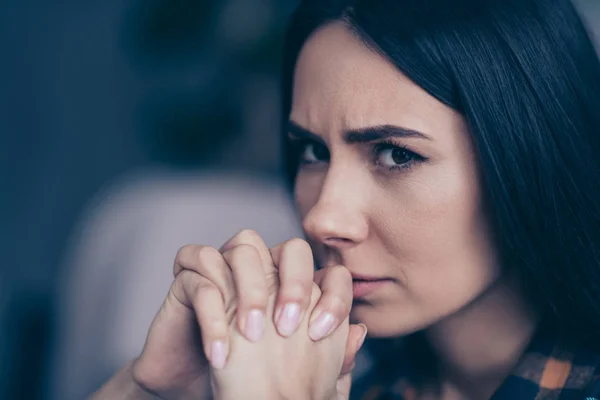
point(295, 265)
point(201, 295)
point(356, 338)
point(209, 263)
point(319, 275)
point(251, 237)
point(251, 286)
point(276, 253)
point(343, 387)
point(335, 302)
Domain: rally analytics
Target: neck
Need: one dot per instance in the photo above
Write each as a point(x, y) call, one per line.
point(478, 347)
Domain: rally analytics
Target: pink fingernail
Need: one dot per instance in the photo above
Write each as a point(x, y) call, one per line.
point(289, 319)
point(363, 337)
point(217, 354)
point(321, 326)
point(254, 325)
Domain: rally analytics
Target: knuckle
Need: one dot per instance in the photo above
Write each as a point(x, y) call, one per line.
point(205, 288)
point(194, 284)
point(177, 290)
point(207, 254)
point(340, 275)
point(184, 250)
point(182, 278)
point(193, 257)
point(297, 245)
point(241, 253)
point(337, 305)
point(215, 326)
point(254, 296)
point(248, 236)
point(296, 289)
point(183, 255)
point(340, 271)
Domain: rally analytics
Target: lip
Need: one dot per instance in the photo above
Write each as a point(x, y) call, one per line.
point(361, 277)
point(363, 285)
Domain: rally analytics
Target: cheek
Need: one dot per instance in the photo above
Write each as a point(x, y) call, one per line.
point(432, 228)
point(430, 204)
point(434, 225)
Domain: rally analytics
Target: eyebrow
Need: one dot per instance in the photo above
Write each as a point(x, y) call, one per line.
point(362, 135)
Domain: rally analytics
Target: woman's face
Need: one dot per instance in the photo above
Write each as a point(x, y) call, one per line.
point(387, 186)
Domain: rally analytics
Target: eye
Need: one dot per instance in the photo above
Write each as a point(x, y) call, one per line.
point(314, 152)
point(392, 156)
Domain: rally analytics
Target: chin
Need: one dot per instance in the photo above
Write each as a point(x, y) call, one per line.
point(384, 324)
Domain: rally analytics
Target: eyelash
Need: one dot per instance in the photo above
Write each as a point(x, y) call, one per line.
point(388, 144)
point(377, 148)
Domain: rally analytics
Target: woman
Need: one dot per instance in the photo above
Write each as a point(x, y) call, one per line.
point(444, 154)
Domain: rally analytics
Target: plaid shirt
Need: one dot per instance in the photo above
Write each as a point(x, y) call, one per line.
point(544, 372)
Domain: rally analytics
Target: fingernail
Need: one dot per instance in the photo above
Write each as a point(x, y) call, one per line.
point(289, 319)
point(362, 339)
point(321, 326)
point(217, 354)
point(254, 325)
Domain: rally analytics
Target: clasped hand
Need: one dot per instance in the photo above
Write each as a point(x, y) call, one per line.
point(260, 322)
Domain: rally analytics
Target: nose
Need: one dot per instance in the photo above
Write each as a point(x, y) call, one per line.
point(338, 218)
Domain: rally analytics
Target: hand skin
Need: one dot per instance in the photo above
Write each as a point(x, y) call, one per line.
point(122, 386)
point(294, 367)
point(175, 361)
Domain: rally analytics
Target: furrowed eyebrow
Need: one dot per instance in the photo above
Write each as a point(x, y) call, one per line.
point(362, 135)
point(380, 132)
point(295, 131)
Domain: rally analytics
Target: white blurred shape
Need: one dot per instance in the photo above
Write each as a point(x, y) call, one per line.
point(120, 265)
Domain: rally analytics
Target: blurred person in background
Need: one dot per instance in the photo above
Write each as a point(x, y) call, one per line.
point(117, 267)
point(444, 163)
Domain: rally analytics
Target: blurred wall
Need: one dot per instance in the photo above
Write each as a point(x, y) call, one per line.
point(83, 86)
point(66, 93)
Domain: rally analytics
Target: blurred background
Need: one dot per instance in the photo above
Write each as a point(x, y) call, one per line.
point(127, 129)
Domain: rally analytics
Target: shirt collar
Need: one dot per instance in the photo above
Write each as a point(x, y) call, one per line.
point(545, 371)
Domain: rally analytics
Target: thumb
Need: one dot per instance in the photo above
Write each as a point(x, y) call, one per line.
point(356, 338)
point(344, 384)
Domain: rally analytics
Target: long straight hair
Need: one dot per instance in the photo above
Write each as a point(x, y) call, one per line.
point(526, 77)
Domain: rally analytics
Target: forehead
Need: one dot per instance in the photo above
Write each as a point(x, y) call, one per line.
point(340, 84)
